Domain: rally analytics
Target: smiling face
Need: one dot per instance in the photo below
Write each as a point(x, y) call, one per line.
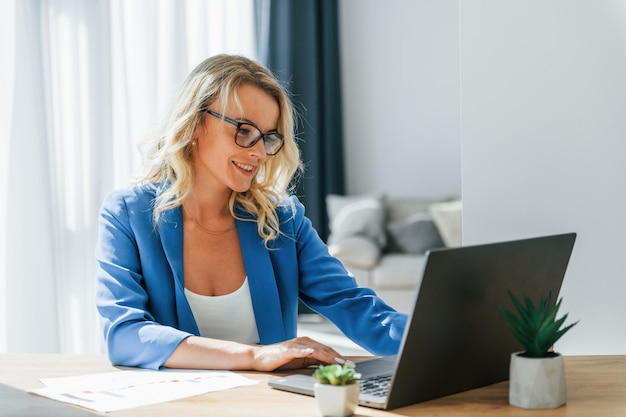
point(220, 165)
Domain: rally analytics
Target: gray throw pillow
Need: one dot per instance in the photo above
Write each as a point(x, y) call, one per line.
point(415, 234)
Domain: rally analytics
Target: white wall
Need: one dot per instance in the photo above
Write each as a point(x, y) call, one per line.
point(400, 76)
point(543, 87)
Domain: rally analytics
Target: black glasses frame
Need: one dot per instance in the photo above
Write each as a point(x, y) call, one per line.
point(268, 138)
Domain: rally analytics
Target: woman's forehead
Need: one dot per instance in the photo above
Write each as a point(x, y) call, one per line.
point(249, 102)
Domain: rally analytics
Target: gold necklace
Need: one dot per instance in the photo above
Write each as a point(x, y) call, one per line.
point(205, 230)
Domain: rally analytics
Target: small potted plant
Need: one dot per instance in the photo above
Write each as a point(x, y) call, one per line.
point(537, 375)
point(336, 390)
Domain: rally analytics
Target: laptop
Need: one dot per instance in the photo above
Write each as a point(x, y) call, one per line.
point(456, 338)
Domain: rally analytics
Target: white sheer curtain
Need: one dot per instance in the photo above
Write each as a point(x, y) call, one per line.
point(82, 82)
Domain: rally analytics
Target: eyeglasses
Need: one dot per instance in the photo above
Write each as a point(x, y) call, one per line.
point(247, 135)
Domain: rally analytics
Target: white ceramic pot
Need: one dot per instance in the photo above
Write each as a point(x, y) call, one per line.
point(537, 382)
point(337, 400)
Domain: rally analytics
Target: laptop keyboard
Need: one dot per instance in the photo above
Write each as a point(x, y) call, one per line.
point(376, 385)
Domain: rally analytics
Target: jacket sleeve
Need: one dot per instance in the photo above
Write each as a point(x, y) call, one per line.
point(132, 334)
point(329, 289)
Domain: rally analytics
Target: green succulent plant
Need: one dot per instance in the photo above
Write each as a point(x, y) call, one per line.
point(536, 328)
point(335, 374)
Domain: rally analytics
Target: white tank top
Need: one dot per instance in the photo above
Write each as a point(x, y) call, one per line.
point(225, 317)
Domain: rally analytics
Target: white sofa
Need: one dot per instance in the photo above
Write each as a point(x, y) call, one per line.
point(383, 241)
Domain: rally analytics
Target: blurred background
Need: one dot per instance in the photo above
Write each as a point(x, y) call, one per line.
point(517, 106)
point(83, 81)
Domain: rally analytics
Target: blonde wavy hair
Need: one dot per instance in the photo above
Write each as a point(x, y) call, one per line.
point(168, 149)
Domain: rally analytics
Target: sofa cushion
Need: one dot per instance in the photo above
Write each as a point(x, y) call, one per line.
point(351, 216)
point(448, 218)
point(398, 271)
point(356, 251)
point(415, 234)
point(401, 208)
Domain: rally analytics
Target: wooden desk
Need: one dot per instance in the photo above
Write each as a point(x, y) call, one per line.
point(596, 387)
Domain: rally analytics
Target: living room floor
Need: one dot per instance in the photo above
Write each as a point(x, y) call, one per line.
point(318, 328)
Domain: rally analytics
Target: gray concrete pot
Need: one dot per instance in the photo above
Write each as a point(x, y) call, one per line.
point(537, 382)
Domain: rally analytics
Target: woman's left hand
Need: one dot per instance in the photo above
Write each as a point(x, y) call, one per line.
point(300, 352)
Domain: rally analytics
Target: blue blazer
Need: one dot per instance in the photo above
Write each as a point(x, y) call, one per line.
point(140, 283)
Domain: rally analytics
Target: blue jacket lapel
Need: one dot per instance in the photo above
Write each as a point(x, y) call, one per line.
point(262, 282)
point(171, 233)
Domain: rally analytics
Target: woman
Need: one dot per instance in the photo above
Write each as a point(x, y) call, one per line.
point(201, 264)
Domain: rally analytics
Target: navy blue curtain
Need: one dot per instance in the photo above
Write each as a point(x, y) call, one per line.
point(299, 42)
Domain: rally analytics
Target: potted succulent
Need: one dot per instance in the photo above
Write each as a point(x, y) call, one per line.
point(537, 375)
point(336, 390)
